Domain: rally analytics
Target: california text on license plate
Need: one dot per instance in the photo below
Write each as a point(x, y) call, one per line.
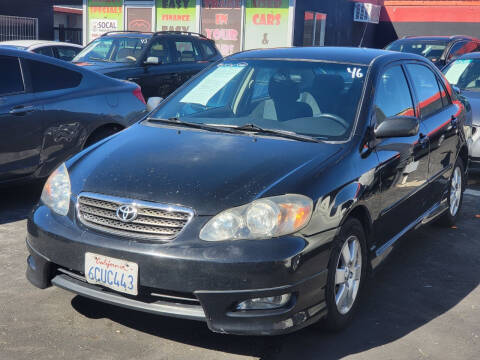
point(116, 274)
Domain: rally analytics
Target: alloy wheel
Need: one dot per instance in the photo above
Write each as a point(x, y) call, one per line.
point(348, 274)
point(455, 191)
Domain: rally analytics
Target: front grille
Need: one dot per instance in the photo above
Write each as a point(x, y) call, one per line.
point(153, 221)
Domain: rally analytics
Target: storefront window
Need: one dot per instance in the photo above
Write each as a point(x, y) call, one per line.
point(314, 28)
point(176, 15)
point(139, 19)
point(104, 16)
point(266, 24)
point(222, 22)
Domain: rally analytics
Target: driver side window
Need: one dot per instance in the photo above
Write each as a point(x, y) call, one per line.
point(392, 97)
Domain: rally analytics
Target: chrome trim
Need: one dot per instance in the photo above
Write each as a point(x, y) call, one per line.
point(140, 205)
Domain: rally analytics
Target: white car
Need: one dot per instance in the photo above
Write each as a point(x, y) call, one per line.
point(60, 50)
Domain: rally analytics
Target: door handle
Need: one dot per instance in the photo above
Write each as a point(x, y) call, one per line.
point(423, 140)
point(454, 121)
point(20, 110)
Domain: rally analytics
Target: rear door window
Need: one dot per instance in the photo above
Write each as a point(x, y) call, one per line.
point(48, 77)
point(426, 87)
point(10, 75)
point(47, 51)
point(186, 51)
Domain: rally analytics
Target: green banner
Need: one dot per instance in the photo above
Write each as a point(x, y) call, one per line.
point(104, 16)
point(266, 24)
point(176, 15)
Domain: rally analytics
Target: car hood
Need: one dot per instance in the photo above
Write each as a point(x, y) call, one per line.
point(206, 171)
point(473, 98)
point(103, 67)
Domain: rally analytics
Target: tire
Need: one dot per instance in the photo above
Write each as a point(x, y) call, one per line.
point(458, 185)
point(338, 316)
point(100, 134)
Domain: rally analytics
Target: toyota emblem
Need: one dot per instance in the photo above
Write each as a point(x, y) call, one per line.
point(127, 213)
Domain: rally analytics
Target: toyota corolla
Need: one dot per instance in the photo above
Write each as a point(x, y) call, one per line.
point(259, 195)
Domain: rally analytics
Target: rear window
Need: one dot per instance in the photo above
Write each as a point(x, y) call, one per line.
point(47, 77)
point(11, 75)
point(432, 50)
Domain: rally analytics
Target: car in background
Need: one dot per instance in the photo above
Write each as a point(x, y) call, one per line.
point(60, 50)
point(438, 49)
point(237, 203)
point(51, 109)
point(159, 62)
point(464, 75)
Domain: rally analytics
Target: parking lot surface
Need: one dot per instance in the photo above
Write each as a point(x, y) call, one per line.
point(423, 304)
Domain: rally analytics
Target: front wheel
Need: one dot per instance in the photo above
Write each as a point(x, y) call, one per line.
point(455, 195)
point(346, 274)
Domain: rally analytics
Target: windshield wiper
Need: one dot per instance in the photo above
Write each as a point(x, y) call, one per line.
point(178, 122)
point(281, 133)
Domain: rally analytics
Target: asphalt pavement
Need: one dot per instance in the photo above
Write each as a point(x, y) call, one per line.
point(423, 304)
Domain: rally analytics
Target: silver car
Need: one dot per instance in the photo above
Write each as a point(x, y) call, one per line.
point(464, 75)
point(60, 50)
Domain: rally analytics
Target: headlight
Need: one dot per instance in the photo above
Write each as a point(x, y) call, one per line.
point(261, 219)
point(56, 192)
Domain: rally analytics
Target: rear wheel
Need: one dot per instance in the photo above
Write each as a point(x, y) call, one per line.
point(346, 274)
point(455, 195)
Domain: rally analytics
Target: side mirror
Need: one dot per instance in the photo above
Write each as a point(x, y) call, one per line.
point(152, 60)
point(397, 126)
point(153, 102)
point(457, 89)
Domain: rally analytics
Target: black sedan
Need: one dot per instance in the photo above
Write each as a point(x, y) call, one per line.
point(50, 110)
point(258, 196)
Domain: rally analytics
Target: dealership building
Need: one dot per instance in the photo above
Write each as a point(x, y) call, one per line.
point(236, 25)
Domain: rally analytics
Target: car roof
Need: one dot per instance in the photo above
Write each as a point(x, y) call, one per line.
point(439, 37)
point(31, 43)
point(336, 54)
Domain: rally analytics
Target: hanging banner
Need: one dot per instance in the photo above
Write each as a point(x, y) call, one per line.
point(176, 15)
point(222, 22)
point(104, 16)
point(266, 24)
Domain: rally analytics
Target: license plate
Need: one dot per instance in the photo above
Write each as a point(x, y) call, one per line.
point(116, 274)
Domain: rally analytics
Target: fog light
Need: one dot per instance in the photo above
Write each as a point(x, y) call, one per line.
point(265, 303)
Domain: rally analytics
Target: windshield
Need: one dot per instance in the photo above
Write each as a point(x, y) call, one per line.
point(318, 99)
point(118, 49)
point(432, 50)
point(464, 73)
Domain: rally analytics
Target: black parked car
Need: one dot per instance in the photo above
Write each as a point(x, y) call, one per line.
point(158, 62)
point(438, 49)
point(50, 110)
point(261, 193)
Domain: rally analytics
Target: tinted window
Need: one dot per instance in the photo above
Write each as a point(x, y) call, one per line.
point(67, 53)
point(208, 48)
point(160, 50)
point(393, 96)
point(444, 95)
point(462, 47)
point(47, 77)
point(186, 51)
point(11, 75)
point(426, 88)
point(47, 51)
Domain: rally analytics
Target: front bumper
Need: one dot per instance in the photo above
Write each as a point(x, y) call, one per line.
point(190, 278)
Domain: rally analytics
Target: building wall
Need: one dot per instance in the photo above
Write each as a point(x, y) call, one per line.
point(401, 18)
point(41, 9)
point(340, 30)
